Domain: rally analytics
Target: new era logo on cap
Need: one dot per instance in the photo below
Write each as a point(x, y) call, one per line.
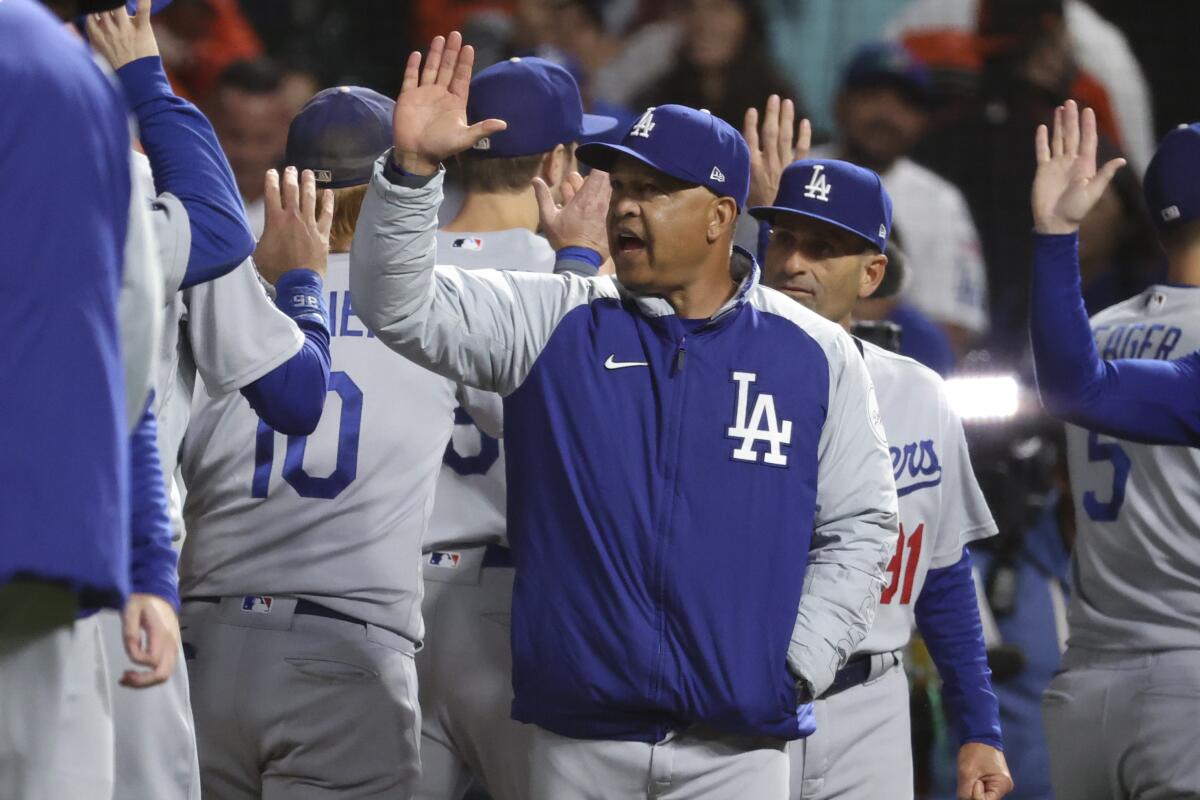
point(322, 175)
point(717, 175)
point(483, 144)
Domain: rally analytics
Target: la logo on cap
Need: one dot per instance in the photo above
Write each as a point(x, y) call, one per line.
point(818, 187)
point(644, 125)
point(717, 175)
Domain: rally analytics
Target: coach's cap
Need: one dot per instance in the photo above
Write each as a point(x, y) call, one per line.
point(687, 144)
point(1172, 182)
point(155, 7)
point(888, 64)
point(540, 102)
point(837, 192)
point(339, 134)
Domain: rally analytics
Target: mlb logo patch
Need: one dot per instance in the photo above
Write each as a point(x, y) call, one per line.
point(468, 244)
point(257, 604)
point(440, 558)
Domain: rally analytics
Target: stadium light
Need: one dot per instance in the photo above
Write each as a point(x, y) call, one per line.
point(984, 398)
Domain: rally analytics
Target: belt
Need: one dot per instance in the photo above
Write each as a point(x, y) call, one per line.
point(497, 555)
point(858, 671)
point(306, 607)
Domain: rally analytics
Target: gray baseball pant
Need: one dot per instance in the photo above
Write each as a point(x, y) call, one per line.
point(696, 763)
point(465, 671)
point(56, 735)
point(294, 706)
point(862, 746)
point(1124, 725)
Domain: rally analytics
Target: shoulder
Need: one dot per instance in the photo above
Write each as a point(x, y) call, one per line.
point(829, 336)
point(1119, 311)
point(893, 366)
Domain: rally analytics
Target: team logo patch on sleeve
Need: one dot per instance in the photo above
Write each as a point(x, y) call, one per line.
point(257, 604)
point(468, 244)
point(441, 558)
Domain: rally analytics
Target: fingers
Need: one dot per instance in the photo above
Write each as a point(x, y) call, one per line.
point(308, 195)
point(1099, 184)
point(1056, 135)
point(1088, 137)
point(449, 59)
point(484, 129)
point(290, 194)
point(576, 181)
point(412, 72)
point(569, 189)
point(770, 130)
point(271, 193)
point(750, 130)
point(1041, 144)
point(804, 140)
point(1070, 129)
point(547, 208)
point(460, 84)
point(325, 221)
point(142, 12)
point(131, 630)
point(433, 60)
point(787, 129)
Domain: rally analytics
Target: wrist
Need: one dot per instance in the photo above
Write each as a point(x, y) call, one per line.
point(414, 164)
point(299, 294)
point(1054, 227)
point(143, 79)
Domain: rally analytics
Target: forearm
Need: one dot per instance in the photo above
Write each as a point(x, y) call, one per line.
point(947, 613)
point(291, 397)
point(188, 163)
point(152, 559)
point(1157, 402)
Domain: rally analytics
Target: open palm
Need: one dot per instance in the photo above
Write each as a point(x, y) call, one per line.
point(1067, 184)
point(430, 121)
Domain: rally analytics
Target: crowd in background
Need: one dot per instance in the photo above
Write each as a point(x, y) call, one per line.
point(938, 96)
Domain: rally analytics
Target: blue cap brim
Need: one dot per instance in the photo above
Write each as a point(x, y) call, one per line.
point(767, 214)
point(601, 155)
point(156, 6)
point(596, 124)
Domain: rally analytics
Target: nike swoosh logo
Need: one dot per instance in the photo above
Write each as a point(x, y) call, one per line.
point(609, 363)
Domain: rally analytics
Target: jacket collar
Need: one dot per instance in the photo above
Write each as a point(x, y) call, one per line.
point(742, 267)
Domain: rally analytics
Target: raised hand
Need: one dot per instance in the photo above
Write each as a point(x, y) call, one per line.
point(294, 237)
point(581, 220)
point(430, 123)
point(120, 38)
point(1067, 185)
point(778, 148)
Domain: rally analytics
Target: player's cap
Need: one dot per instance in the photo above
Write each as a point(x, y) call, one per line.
point(888, 64)
point(155, 7)
point(837, 192)
point(339, 134)
point(538, 99)
point(1172, 182)
point(687, 144)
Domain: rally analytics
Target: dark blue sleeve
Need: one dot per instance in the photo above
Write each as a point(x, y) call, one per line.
point(291, 397)
point(1156, 402)
point(152, 560)
point(188, 162)
point(947, 614)
point(577, 261)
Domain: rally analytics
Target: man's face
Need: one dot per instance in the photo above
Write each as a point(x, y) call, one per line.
point(657, 227)
point(253, 132)
point(817, 264)
point(879, 124)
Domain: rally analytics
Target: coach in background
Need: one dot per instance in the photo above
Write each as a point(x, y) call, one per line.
point(882, 112)
point(465, 668)
point(64, 430)
point(1120, 715)
point(829, 228)
point(646, 661)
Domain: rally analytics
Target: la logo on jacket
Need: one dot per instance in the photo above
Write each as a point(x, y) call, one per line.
point(760, 425)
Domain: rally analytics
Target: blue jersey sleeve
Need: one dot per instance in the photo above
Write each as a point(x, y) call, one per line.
point(188, 162)
point(152, 559)
point(947, 614)
point(1156, 402)
point(291, 397)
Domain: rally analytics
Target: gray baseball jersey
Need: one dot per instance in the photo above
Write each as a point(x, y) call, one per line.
point(336, 517)
point(861, 747)
point(470, 505)
point(1136, 566)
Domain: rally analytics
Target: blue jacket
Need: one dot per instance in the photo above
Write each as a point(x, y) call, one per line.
point(697, 519)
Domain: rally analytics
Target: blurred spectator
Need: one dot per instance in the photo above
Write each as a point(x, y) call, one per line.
point(882, 113)
point(812, 41)
point(1099, 47)
point(986, 151)
point(251, 115)
point(722, 65)
point(198, 39)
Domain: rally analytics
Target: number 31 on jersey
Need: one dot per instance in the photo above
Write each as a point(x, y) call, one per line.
point(905, 560)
